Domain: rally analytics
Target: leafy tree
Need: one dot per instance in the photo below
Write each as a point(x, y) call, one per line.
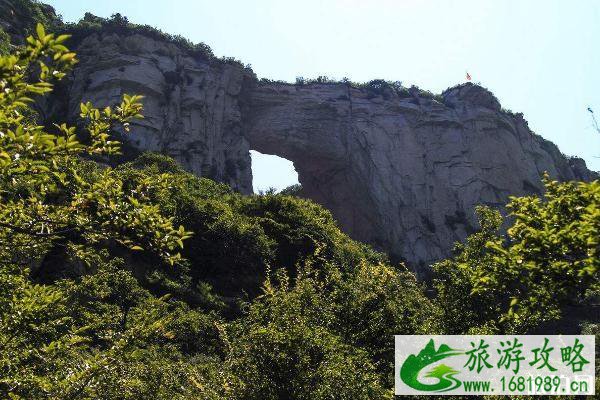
point(104, 337)
point(373, 303)
point(46, 206)
point(307, 337)
point(548, 261)
point(292, 190)
point(45, 203)
point(286, 349)
point(553, 255)
point(466, 310)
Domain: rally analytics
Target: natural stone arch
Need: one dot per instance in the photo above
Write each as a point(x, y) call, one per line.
point(297, 125)
point(403, 173)
point(400, 169)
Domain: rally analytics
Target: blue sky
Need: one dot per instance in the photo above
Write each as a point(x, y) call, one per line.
point(539, 57)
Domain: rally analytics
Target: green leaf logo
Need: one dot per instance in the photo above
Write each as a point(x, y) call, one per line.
point(413, 365)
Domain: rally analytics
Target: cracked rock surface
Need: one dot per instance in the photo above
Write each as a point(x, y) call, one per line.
point(191, 105)
point(404, 174)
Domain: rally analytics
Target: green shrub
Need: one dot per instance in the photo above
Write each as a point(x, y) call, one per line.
point(548, 261)
point(4, 42)
point(119, 24)
point(287, 348)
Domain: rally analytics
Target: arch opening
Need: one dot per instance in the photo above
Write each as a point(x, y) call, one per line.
point(271, 172)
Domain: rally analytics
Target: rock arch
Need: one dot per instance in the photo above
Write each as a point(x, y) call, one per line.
point(400, 169)
point(403, 173)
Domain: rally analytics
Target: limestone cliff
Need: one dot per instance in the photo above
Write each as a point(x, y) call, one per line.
point(191, 106)
point(403, 172)
point(399, 169)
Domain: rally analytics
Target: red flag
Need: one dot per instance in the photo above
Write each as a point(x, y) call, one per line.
point(468, 77)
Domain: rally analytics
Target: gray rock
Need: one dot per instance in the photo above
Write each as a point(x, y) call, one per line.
point(403, 173)
point(191, 107)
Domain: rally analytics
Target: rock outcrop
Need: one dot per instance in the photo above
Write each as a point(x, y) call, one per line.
point(191, 104)
point(399, 169)
point(403, 172)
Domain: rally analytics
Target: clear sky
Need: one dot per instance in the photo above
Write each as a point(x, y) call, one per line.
point(539, 57)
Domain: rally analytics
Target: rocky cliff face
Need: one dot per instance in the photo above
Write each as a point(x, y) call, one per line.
point(403, 173)
point(399, 170)
point(191, 105)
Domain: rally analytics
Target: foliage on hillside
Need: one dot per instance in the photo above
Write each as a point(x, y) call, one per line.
point(23, 15)
point(548, 261)
point(118, 23)
point(144, 281)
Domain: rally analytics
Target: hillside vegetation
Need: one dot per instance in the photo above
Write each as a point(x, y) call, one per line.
point(143, 281)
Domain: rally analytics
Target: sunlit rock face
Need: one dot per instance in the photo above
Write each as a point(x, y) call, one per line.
point(191, 104)
point(402, 171)
point(404, 174)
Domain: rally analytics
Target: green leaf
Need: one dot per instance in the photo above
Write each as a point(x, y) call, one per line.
point(40, 31)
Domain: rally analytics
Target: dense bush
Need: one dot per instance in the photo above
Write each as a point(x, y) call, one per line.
point(548, 261)
point(119, 24)
point(329, 328)
point(289, 336)
point(237, 238)
point(101, 336)
point(292, 190)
